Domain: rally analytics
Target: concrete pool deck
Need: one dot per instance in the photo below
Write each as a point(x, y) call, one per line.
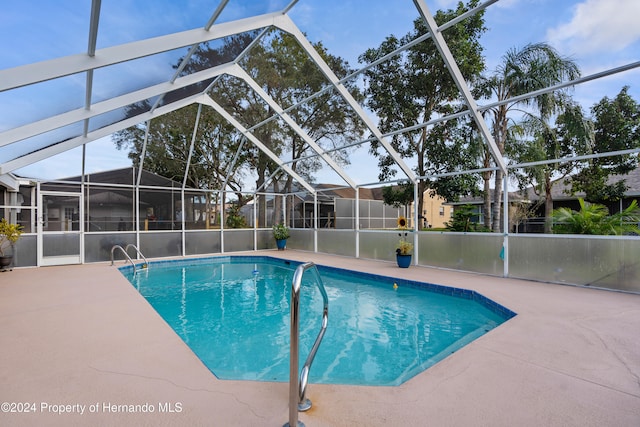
point(83, 337)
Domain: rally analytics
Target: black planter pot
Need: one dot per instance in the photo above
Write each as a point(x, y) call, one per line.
point(5, 262)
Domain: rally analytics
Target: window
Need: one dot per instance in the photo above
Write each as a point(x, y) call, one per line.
point(441, 210)
point(68, 213)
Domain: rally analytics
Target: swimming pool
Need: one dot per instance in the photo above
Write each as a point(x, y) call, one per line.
point(233, 312)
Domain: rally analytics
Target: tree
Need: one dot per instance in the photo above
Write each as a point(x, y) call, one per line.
point(286, 73)
point(168, 146)
point(593, 218)
point(400, 196)
point(169, 139)
point(535, 66)
point(616, 125)
point(234, 217)
point(283, 70)
point(463, 220)
point(519, 213)
point(414, 87)
point(571, 135)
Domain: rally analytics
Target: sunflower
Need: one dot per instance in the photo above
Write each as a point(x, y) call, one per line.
point(402, 222)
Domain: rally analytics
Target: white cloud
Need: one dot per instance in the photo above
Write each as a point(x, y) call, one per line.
point(598, 26)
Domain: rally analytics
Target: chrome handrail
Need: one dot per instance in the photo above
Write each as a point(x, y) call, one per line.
point(131, 245)
point(125, 254)
point(124, 251)
point(298, 387)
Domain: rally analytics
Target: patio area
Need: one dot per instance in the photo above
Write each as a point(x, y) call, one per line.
point(80, 339)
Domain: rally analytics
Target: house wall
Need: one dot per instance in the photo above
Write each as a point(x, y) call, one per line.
point(434, 211)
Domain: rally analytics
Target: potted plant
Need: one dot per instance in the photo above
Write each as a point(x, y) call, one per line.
point(9, 235)
point(281, 234)
point(404, 247)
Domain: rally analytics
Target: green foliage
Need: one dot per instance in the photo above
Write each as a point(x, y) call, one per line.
point(465, 219)
point(541, 140)
point(234, 219)
point(280, 232)
point(9, 234)
point(616, 125)
point(533, 67)
point(285, 72)
point(399, 196)
point(593, 218)
point(414, 87)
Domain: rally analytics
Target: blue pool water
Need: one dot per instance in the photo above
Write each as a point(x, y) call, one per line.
point(233, 312)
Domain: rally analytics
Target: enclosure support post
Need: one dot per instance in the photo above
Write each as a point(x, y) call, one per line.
point(505, 224)
point(416, 223)
point(357, 224)
point(255, 222)
point(222, 197)
point(139, 178)
point(315, 221)
point(182, 218)
point(284, 210)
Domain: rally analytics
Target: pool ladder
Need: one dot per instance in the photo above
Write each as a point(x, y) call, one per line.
point(125, 252)
point(298, 387)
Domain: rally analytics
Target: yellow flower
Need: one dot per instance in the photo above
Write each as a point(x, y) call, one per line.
point(404, 247)
point(402, 222)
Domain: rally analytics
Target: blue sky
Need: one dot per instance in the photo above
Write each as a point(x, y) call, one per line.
point(597, 34)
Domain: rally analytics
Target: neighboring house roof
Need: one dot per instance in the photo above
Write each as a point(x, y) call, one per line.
point(127, 176)
point(328, 192)
point(514, 196)
point(123, 176)
point(561, 189)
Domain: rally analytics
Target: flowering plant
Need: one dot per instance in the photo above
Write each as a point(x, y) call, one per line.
point(280, 232)
point(9, 234)
point(404, 247)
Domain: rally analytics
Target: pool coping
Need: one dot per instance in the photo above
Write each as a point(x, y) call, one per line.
point(468, 294)
point(83, 335)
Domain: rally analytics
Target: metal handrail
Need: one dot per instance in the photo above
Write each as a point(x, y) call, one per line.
point(297, 387)
point(125, 254)
point(124, 251)
point(131, 245)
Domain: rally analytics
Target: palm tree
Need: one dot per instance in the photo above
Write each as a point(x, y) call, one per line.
point(593, 218)
point(535, 66)
point(571, 135)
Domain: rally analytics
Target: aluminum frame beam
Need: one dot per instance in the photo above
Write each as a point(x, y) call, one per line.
point(286, 24)
point(187, 57)
point(242, 74)
point(207, 100)
point(36, 128)
point(47, 70)
point(458, 78)
point(61, 147)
